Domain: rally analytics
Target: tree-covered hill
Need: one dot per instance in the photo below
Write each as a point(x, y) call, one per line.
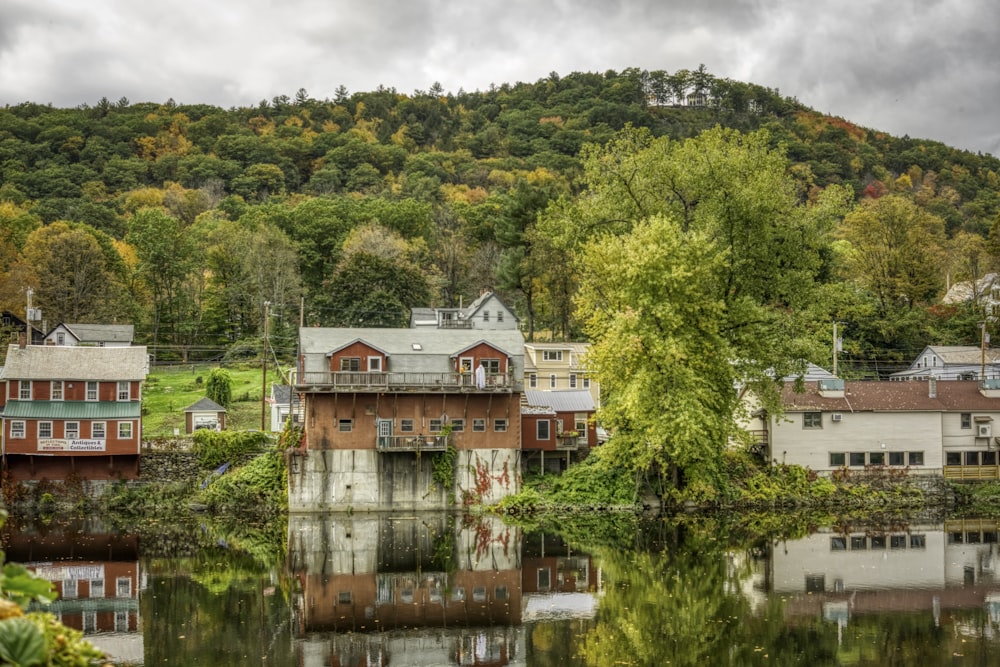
point(185, 219)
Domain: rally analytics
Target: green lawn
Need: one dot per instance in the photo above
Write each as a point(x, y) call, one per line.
point(169, 390)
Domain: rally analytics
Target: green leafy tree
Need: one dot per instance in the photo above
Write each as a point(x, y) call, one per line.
point(219, 387)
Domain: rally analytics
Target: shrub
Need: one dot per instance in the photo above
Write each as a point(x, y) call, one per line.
point(217, 447)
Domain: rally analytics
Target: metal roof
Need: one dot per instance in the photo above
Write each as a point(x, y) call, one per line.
point(73, 410)
point(73, 362)
point(562, 400)
point(399, 342)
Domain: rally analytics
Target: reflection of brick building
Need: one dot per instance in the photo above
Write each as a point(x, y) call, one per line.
point(97, 575)
point(378, 573)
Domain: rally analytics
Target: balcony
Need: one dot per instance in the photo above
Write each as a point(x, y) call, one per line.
point(333, 382)
point(411, 443)
point(455, 324)
point(972, 472)
point(570, 441)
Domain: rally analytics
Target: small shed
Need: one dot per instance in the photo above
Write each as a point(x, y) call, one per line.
point(205, 413)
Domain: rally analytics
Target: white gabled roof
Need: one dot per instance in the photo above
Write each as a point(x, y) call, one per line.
point(60, 362)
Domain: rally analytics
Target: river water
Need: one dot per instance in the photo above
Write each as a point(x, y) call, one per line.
point(446, 589)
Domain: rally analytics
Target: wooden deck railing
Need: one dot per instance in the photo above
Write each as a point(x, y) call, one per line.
point(972, 472)
point(449, 382)
point(411, 443)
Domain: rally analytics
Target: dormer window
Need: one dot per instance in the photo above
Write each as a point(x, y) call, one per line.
point(552, 355)
point(374, 364)
point(350, 364)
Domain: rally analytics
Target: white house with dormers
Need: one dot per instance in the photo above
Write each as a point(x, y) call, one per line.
point(95, 335)
point(953, 362)
point(487, 313)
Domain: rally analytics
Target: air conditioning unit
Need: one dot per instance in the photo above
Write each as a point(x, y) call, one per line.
point(985, 430)
point(836, 416)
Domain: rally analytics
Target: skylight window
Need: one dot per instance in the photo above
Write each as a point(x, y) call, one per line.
point(417, 347)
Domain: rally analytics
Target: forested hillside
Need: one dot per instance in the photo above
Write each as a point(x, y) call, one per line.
point(186, 219)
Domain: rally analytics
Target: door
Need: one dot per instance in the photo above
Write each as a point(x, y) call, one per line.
point(385, 434)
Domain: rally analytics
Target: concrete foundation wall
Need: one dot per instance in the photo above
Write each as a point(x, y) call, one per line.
point(366, 480)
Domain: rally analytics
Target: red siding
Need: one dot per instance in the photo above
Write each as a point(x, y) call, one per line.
point(356, 350)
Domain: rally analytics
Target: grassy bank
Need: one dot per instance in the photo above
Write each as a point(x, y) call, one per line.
point(169, 390)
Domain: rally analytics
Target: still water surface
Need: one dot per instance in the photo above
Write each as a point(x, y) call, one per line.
point(443, 589)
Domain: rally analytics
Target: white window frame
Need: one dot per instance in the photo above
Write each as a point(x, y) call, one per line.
point(547, 429)
point(123, 587)
point(96, 588)
point(586, 382)
point(69, 589)
point(500, 425)
point(552, 355)
point(552, 381)
point(374, 364)
point(533, 381)
point(435, 425)
point(406, 426)
point(24, 390)
point(98, 430)
point(124, 430)
point(479, 425)
point(96, 393)
point(572, 380)
point(42, 428)
point(60, 338)
point(71, 430)
point(56, 391)
point(457, 425)
point(124, 392)
point(17, 429)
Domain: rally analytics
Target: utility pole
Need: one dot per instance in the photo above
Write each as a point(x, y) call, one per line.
point(838, 345)
point(263, 366)
point(982, 352)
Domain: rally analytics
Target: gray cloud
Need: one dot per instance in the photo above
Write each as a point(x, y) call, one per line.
point(923, 68)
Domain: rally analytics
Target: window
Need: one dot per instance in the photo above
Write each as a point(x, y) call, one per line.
point(533, 381)
point(953, 458)
point(895, 458)
point(97, 430)
point(586, 383)
point(918, 541)
point(123, 587)
point(121, 621)
point(350, 364)
point(542, 428)
point(60, 338)
point(499, 316)
point(916, 458)
point(345, 425)
point(966, 420)
point(406, 425)
point(72, 430)
point(857, 459)
point(500, 425)
point(44, 429)
point(837, 459)
point(544, 578)
point(374, 364)
point(838, 543)
point(858, 543)
point(24, 390)
point(69, 588)
point(458, 593)
point(457, 425)
point(876, 458)
point(91, 390)
point(552, 355)
point(124, 392)
point(897, 541)
point(500, 593)
point(486, 316)
point(812, 420)
point(877, 542)
point(479, 425)
point(572, 381)
point(972, 458)
point(96, 588)
point(492, 366)
point(344, 597)
point(989, 458)
point(17, 429)
point(552, 381)
point(479, 594)
point(124, 430)
point(435, 426)
point(57, 390)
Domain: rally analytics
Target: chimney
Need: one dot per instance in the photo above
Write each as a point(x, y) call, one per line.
point(932, 388)
point(484, 291)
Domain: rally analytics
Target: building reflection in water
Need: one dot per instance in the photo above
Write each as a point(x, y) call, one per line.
point(371, 586)
point(96, 573)
point(936, 569)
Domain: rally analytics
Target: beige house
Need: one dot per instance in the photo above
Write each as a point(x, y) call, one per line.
point(549, 366)
point(927, 427)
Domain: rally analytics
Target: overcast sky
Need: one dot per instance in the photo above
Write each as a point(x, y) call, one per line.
point(929, 69)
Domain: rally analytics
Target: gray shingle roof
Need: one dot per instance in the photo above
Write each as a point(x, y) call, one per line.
point(204, 405)
point(282, 393)
point(57, 362)
point(96, 333)
point(562, 400)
